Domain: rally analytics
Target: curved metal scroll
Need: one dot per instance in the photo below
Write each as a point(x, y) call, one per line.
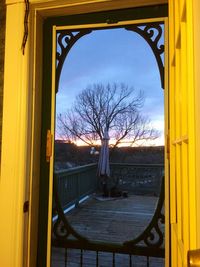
point(62, 228)
point(152, 33)
point(152, 236)
point(65, 40)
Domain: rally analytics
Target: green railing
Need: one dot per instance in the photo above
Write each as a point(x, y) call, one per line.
point(73, 184)
point(138, 178)
point(76, 183)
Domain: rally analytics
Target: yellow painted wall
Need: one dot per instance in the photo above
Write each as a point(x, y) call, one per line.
point(196, 10)
point(14, 173)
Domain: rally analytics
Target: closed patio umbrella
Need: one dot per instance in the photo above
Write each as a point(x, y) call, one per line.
point(103, 163)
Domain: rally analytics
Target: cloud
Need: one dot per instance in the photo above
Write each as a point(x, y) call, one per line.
point(115, 55)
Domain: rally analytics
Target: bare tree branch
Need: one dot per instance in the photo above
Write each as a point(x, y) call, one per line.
point(116, 108)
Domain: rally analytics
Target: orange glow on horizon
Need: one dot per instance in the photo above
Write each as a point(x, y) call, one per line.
point(126, 143)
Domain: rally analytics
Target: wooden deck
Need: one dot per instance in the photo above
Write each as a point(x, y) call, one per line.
point(109, 220)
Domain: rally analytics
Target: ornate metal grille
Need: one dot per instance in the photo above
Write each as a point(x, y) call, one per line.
point(150, 242)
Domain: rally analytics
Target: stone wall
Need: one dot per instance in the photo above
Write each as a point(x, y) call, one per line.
point(2, 46)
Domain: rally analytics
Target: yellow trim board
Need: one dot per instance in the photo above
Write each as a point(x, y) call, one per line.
point(106, 25)
point(90, 26)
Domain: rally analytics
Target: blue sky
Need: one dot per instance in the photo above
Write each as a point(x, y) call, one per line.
point(107, 56)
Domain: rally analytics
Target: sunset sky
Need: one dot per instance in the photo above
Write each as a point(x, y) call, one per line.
point(107, 56)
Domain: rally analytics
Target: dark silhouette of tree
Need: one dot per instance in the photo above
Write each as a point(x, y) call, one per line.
point(116, 108)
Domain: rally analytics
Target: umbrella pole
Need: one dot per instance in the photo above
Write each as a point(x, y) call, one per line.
point(106, 191)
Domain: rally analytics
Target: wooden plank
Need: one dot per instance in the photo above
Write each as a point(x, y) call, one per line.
point(115, 220)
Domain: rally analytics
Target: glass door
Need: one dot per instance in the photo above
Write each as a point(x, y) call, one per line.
point(103, 125)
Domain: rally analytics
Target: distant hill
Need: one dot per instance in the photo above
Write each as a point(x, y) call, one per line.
point(71, 155)
point(139, 155)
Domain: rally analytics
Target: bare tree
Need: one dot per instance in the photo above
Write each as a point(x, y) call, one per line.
point(114, 108)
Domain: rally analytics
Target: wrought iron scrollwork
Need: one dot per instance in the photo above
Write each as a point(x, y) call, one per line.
point(62, 228)
point(65, 40)
point(152, 236)
point(152, 33)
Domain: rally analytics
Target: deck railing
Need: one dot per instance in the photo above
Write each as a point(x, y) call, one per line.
point(73, 184)
point(138, 178)
point(76, 183)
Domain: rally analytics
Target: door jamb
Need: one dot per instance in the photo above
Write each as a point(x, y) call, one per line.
point(38, 14)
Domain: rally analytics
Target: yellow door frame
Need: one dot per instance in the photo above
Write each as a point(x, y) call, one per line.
point(166, 134)
point(20, 162)
point(22, 105)
point(184, 123)
point(53, 97)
